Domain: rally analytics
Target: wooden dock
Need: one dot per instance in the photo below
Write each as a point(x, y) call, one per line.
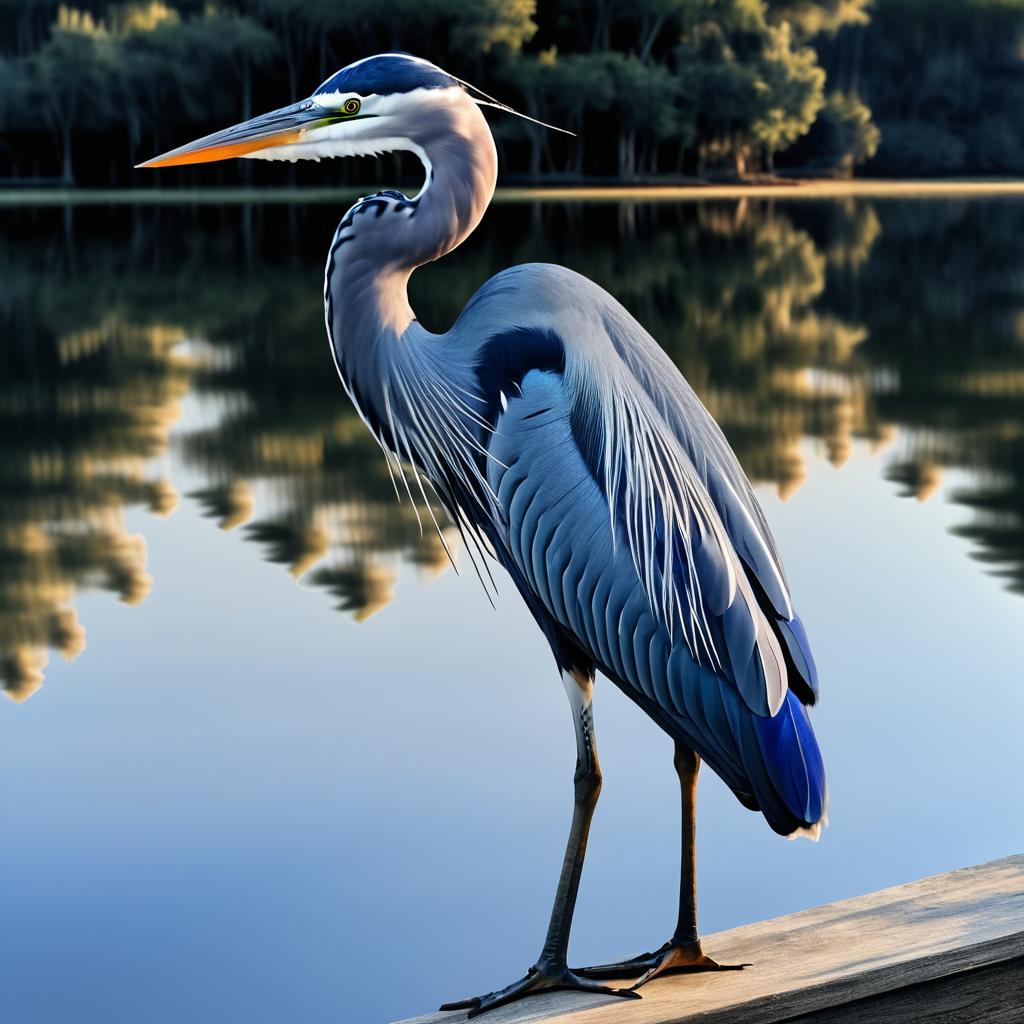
point(944, 950)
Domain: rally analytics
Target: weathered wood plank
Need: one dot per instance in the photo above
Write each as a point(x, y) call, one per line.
point(944, 949)
point(993, 995)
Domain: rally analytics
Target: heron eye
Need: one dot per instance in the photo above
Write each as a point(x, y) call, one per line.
point(351, 106)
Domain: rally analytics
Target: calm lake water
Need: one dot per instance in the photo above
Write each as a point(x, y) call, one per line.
point(238, 797)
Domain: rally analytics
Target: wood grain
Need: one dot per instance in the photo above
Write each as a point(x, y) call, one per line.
point(993, 994)
point(943, 950)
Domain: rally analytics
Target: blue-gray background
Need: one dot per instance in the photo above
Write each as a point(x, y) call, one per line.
point(238, 803)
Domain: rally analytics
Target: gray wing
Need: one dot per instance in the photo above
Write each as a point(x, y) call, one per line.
point(609, 357)
point(673, 493)
point(557, 538)
point(579, 560)
point(707, 448)
point(689, 422)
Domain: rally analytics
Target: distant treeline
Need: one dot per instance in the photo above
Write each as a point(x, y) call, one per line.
point(651, 87)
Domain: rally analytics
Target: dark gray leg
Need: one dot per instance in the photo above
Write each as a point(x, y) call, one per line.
point(550, 973)
point(683, 951)
point(687, 765)
point(586, 789)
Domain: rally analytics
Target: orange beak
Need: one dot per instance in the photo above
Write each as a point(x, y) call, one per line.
point(278, 128)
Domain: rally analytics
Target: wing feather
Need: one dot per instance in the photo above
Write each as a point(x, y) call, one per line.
point(709, 609)
point(577, 571)
point(711, 475)
point(660, 509)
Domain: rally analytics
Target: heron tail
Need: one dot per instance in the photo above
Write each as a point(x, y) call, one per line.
point(771, 763)
point(787, 772)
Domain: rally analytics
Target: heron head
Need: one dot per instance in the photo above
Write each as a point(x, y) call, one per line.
point(375, 105)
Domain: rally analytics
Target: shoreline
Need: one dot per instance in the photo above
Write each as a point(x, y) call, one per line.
point(875, 188)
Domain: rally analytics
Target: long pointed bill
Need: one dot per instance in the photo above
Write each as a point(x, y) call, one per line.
point(278, 128)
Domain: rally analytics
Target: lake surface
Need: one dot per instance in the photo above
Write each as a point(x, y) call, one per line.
point(230, 796)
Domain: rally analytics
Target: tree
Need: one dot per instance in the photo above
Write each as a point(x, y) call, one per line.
point(26, 25)
point(561, 89)
point(297, 25)
point(68, 77)
point(219, 41)
point(643, 105)
point(754, 93)
point(484, 25)
point(718, 86)
point(945, 83)
point(842, 137)
point(789, 90)
point(12, 84)
point(809, 18)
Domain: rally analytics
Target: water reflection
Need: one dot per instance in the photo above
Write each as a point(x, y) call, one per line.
point(86, 404)
point(896, 323)
point(329, 506)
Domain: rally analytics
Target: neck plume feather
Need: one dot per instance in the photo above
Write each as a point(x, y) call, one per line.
point(419, 401)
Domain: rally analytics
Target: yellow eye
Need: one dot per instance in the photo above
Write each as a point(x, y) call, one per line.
point(351, 106)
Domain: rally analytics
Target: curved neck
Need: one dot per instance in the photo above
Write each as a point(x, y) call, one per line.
point(460, 162)
point(383, 238)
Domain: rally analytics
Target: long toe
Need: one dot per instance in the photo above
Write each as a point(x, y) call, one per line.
point(672, 958)
point(536, 981)
point(632, 968)
point(534, 985)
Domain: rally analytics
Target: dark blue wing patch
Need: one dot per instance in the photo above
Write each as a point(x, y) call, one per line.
point(506, 358)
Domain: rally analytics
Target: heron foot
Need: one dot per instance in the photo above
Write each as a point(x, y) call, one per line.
point(539, 978)
point(673, 958)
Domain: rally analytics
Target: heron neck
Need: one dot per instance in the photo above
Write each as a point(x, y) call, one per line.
point(461, 168)
point(385, 237)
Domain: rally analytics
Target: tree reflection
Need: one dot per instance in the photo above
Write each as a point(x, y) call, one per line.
point(85, 404)
point(947, 349)
point(284, 428)
point(891, 323)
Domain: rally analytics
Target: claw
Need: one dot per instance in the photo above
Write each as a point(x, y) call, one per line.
point(537, 979)
point(460, 1004)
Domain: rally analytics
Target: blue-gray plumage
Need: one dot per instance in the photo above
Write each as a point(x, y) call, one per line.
point(565, 444)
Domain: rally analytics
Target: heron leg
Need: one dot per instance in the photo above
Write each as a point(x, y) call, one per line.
point(551, 973)
point(683, 951)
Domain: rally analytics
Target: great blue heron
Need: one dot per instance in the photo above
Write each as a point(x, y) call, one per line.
point(561, 439)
